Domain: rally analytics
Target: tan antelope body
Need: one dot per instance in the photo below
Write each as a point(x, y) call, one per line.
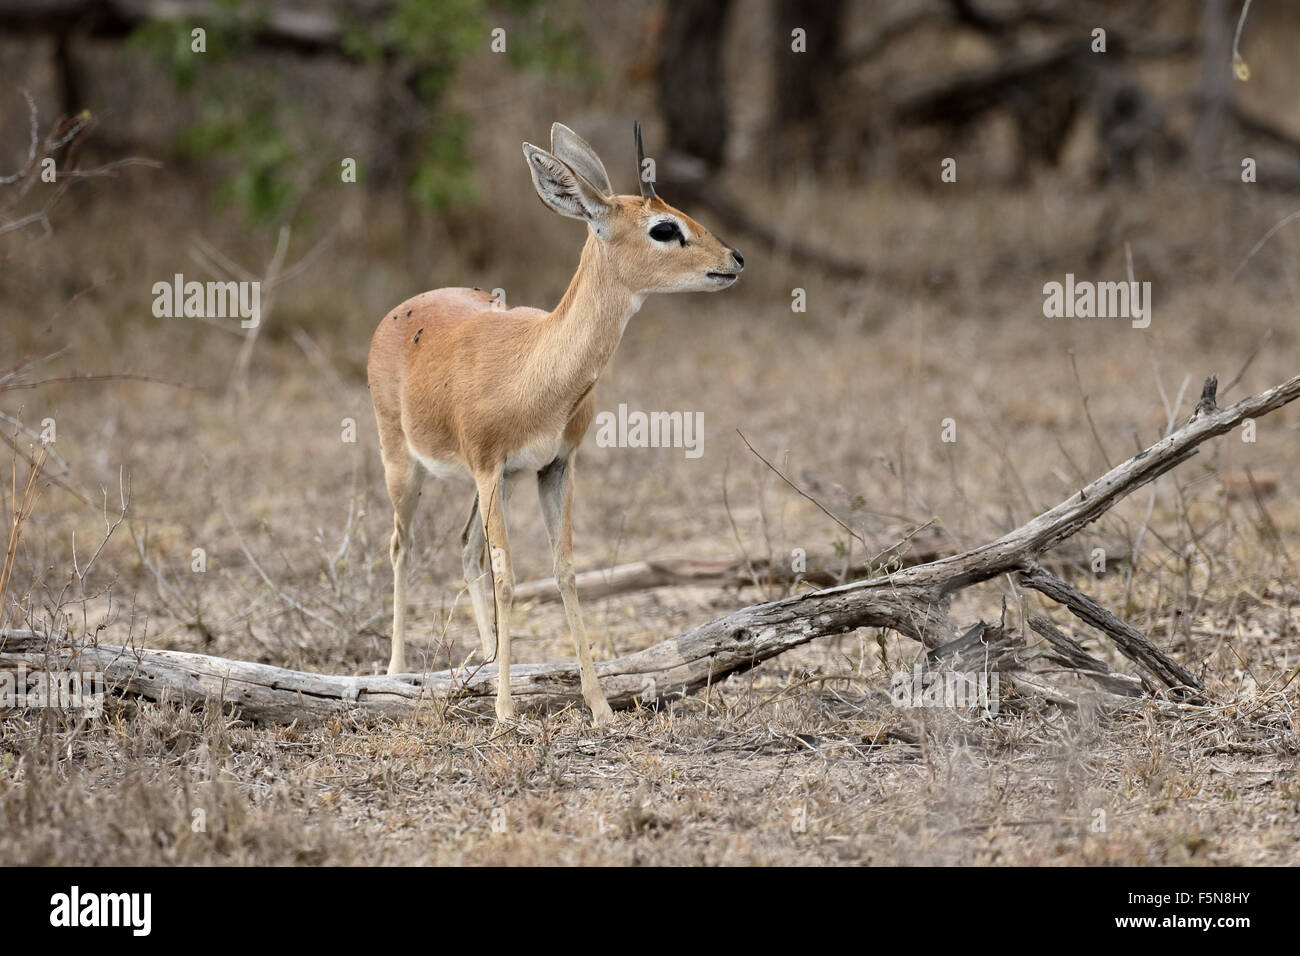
point(463, 389)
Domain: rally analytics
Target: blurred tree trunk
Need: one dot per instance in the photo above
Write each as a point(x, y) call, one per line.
point(693, 100)
point(72, 90)
point(692, 94)
point(1216, 83)
point(804, 97)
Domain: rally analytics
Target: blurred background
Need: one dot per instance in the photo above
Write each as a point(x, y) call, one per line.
point(1157, 139)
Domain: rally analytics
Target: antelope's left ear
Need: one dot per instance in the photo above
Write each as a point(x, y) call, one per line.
point(566, 191)
point(576, 153)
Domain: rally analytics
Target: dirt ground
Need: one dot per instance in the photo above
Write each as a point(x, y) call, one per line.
point(801, 761)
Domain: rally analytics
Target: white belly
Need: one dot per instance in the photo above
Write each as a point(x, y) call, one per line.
point(442, 470)
point(537, 454)
point(532, 457)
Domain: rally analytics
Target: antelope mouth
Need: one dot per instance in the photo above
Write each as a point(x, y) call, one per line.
point(723, 276)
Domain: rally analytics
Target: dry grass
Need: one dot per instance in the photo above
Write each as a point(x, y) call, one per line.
point(802, 760)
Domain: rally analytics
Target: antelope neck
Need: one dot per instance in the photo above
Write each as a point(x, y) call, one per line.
point(577, 340)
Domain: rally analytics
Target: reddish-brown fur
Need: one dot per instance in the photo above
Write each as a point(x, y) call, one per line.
point(462, 387)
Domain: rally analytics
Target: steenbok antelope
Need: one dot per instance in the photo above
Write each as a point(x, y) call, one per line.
point(463, 389)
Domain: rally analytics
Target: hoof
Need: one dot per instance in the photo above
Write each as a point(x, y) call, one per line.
point(601, 714)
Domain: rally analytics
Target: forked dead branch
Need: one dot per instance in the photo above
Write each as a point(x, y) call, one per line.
point(913, 601)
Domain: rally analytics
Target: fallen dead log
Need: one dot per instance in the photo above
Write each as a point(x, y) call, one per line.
point(680, 572)
point(912, 601)
point(1131, 642)
point(822, 571)
point(1069, 652)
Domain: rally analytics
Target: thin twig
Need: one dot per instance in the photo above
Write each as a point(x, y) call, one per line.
point(805, 494)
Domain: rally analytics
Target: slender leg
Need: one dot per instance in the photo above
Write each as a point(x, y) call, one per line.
point(474, 560)
point(555, 490)
point(492, 498)
point(404, 483)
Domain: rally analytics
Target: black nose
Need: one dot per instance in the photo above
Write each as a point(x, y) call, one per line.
point(740, 260)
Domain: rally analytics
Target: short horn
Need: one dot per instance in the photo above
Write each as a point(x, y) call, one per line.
point(647, 188)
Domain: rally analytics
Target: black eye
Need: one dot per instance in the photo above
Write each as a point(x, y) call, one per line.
point(666, 232)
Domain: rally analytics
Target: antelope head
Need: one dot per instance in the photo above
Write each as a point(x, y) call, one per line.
point(649, 245)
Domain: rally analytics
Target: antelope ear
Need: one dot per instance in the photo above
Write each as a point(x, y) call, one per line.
point(566, 191)
point(577, 154)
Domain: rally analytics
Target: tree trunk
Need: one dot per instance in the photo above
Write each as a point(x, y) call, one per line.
point(692, 91)
point(805, 99)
